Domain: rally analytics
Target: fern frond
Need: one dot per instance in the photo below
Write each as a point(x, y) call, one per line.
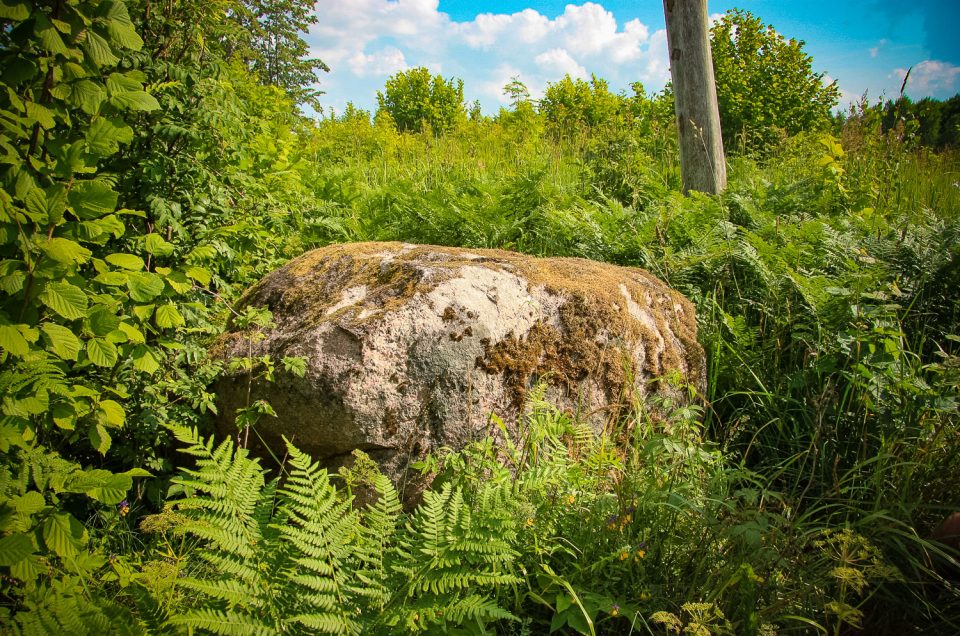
point(322, 541)
point(458, 549)
point(227, 487)
point(265, 510)
point(381, 517)
point(320, 528)
point(326, 623)
point(190, 436)
point(476, 608)
point(233, 591)
point(219, 500)
point(484, 545)
point(231, 564)
point(35, 376)
point(435, 515)
point(322, 584)
point(483, 579)
point(228, 535)
point(227, 623)
point(65, 608)
point(374, 543)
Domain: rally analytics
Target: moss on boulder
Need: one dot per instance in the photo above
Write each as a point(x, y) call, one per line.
point(412, 347)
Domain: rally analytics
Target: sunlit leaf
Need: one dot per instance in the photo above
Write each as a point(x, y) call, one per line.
point(63, 534)
point(155, 244)
point(126, 261)
point(168, 316)
point(15, 548)
point(62, 341)
point(102, 352)
point(100, 438)
point(110, 413)
point(144, 286)
point(67, 300)
point(12, 341)
point(144, 359)
point(99, 49)
point(92, 199)
point(135, 100)
point(66, 251)
point(16, 10)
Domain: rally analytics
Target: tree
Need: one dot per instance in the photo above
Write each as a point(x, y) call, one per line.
point(950, 123)
point(522, 119)
point(418, 101)
point(270, 45)
point(765, 83)
point(702, 161)
point(517, 91)
point(929, 122)
point(571, 104)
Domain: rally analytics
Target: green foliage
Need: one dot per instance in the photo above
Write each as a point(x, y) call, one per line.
point(822, 281)
point(518, 93)
point(417, 101)
point(272, 46)
point(766, 86)
point(153, 166)
point(927, 122)
point(571, 105)
point(78, 321)
point(453, 551)
point(301, 559)
point(99, 293)
point(75, 304)
point(52, 566)
point(266, 566)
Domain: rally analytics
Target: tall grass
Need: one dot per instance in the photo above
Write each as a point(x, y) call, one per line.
point(825, 280)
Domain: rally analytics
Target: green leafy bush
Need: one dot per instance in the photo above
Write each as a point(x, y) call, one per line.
point(572, 105)
point(417, 101)
point(766, 86)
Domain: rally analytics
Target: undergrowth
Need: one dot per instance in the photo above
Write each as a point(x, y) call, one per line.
point(143, 193)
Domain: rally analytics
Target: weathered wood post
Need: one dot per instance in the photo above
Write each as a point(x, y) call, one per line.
point(695, 93)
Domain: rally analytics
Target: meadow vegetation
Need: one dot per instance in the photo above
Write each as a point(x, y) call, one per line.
point(155, 162)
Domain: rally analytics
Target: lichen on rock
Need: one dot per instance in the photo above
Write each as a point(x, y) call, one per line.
point(412, 347)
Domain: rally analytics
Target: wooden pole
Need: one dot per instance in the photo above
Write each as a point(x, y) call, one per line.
point(695, 94)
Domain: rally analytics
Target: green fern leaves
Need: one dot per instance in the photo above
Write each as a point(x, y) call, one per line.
point(321, 529)
point(272, 559)
point(452, 554)
point(299, 558)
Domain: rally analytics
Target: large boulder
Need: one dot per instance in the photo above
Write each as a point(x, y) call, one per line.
point(412, 347)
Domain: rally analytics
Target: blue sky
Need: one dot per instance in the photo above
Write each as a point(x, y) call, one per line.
point(866, 45)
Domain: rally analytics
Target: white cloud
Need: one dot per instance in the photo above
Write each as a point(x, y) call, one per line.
point(558, 62)
point(363, 41)
point(657, 65)
point(586, 29)
point(531, 26)
point(485, 30)
point(627, 45)
point(492, 88)
point(382, 63)
point(875, 50)
point(355, 24)
point(930, 78)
